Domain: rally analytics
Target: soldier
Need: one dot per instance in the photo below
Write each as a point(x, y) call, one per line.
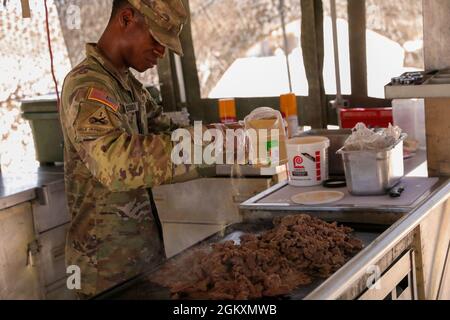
point(118, 146)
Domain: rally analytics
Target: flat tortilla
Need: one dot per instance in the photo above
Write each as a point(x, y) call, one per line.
point(317, 197)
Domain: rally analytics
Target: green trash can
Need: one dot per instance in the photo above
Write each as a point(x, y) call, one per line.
point(48, 139)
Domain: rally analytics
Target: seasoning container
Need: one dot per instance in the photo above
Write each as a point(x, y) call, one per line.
point(227, 111)
point(288, 107)
point(266, 132)
point(308, 161)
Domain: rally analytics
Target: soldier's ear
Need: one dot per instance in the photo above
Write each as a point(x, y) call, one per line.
point(126, 16)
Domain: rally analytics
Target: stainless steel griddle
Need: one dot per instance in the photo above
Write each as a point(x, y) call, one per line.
point(142, 288)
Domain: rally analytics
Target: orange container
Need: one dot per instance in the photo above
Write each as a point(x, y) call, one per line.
point(227, 110)
point(288, 105)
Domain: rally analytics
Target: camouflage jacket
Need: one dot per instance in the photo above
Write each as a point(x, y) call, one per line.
point(117, 146)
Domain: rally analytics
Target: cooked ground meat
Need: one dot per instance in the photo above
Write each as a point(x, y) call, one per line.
point(274, 263)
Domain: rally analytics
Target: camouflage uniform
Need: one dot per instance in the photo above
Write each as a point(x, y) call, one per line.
point(113, 154)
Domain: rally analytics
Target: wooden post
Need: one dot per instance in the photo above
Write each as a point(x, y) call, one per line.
point(437, 115)
point(26, 12)
point(357, 42)
point(190, 71)
point(313, 56)
point(169, 85)
point(437, 111)
point(436, 35)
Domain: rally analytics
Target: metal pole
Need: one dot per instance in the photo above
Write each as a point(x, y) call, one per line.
point(180, 77)
point(285, 40)
point(336, 52)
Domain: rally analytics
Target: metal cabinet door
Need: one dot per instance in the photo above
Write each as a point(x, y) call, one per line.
point(52, 254)
point(210, 201)
point(59, 291)
point(397, 283)
point(444, 283)
point(50, 209)
point(19, 278)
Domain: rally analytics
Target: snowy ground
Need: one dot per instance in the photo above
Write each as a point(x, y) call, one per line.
point(267, 76)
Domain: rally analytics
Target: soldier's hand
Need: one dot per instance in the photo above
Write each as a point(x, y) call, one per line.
point(235, 141)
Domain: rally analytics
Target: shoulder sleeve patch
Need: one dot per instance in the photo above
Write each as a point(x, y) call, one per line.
point(104, 98)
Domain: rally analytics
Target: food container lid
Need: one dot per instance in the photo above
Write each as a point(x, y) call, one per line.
point(311, 141)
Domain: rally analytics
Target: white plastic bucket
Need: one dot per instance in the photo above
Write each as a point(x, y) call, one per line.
point(308, 161)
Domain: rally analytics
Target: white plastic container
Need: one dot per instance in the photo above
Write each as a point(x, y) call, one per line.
point(409, 114)
point(308, 161)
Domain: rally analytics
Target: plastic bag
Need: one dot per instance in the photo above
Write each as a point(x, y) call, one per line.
point(363, 138)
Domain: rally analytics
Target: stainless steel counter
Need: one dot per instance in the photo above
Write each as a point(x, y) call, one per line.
point(418, 238)
point(416, 166)
point(379, 244)
point(25, 186)
point(374, 210)
point(22, 187)
point(400, 233)
point(34, 220)
point(336, 285)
